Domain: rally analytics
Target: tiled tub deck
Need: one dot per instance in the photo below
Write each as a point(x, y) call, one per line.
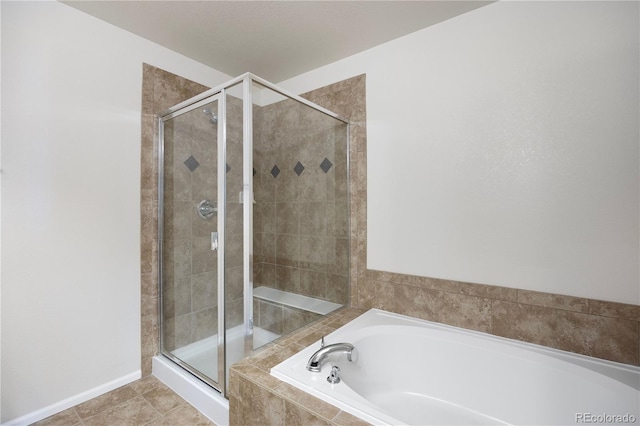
point(256, 397)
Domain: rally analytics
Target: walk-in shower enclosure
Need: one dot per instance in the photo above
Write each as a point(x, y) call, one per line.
point(253, 222)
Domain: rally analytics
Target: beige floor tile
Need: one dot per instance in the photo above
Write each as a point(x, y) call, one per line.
point(96, 405)
point(163, 399)
point(134, 412)
point(145, 384)
point(186, 415)
point(64, 418)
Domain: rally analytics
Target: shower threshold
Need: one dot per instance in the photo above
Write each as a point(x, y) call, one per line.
point(203, 356)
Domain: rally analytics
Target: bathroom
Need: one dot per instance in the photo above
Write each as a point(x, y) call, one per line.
point(501, 164)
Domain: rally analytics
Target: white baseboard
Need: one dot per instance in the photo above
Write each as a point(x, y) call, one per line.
point(58, 407)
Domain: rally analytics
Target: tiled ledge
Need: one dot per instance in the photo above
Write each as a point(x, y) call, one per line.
point(256, 397)
point(597, 328)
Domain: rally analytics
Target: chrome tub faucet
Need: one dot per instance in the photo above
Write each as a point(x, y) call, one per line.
point(316, 360)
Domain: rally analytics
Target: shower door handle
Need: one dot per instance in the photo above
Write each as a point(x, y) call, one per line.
point(214, 241)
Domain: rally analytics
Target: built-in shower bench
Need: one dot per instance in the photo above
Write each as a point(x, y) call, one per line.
point(297, 301)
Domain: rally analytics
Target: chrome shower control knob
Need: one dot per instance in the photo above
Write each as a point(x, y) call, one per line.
point(206, 209)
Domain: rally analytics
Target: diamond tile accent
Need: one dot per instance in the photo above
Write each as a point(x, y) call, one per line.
point(275, 171)
point(191, 163)
point(228, 168)
point(326, 165)
point(299, 168)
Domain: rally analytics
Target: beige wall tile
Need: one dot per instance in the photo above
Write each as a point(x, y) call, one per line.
point(465, 311)
point(373, 294)
point(602, 337)
point(295, 416)
point(529, 323)
point(310, 403)
point(346, 419)
point(271, 317)
point(614, 310)
point(555, 301)
point(257, 406)
point(416, 302)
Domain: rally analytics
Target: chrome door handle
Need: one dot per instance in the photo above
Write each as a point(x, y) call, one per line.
point(214, 241)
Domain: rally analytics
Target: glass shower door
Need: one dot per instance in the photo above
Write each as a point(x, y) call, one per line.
point(189, 226)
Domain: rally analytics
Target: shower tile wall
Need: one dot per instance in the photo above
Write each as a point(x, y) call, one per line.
point(301, 210)
point(160, 90)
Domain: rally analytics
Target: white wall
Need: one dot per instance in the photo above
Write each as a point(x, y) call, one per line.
point(71, 96)
point(503, 148)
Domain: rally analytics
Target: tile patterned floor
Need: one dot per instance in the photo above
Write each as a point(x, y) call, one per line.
point(147, 402)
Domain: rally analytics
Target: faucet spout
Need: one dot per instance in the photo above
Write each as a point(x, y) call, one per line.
point(316, 360)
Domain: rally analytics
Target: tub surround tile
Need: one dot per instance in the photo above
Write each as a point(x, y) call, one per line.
point(258, 375)
point(259, 406)
point(417, 302)
point(294, 416)
point(345, 317)
point(601, 337)
point(483, 290)
point(276, 356)
point(613, 339)
point(614, 310)
point(555, 301)
point(315, 335)
point(529, 323)
point(606, 329)
point(376, 294)
point(310, 403)
point(470, 312)
point(346, 419)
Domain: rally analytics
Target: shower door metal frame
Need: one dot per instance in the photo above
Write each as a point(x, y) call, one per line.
point(219, 93)
point(173, 112)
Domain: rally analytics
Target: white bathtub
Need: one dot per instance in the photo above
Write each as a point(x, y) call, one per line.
point(415, 372)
